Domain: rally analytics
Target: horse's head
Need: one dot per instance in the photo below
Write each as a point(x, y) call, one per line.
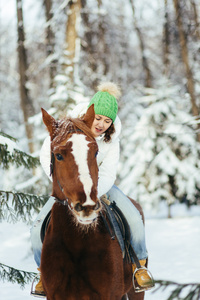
point(73, 164)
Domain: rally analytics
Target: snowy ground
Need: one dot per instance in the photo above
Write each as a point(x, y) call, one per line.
point(173, 246)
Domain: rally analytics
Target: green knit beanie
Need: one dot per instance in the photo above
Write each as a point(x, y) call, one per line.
point(104, 102)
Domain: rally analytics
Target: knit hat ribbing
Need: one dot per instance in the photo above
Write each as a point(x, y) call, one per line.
point(105, 102)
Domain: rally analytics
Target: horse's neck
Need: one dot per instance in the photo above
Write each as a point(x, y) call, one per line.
point(62, 219)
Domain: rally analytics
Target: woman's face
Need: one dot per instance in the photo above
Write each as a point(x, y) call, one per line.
point(100, 125)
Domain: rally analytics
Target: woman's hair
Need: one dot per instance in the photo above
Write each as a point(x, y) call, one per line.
point(108, 133)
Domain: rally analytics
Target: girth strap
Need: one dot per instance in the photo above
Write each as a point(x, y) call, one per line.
point(110, 230)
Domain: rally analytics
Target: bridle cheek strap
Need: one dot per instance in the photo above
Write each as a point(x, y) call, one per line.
point(52, 163)
point(63, 202)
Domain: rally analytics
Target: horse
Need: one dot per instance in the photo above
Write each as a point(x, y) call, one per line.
point(79, 261)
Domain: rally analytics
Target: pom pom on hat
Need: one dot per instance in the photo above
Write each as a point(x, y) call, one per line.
point(105, 100)
point(110, 87)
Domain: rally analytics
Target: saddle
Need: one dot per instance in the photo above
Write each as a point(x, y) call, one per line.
point(117, 226)
point(44, 226)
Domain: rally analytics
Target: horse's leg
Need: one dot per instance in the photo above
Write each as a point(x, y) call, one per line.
point(132, 295)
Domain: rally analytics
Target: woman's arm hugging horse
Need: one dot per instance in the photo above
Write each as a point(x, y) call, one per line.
point(79, 259)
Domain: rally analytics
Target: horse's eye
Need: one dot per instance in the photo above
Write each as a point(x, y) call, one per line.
point(59, 156)
point(78, 207)
point(96, 154)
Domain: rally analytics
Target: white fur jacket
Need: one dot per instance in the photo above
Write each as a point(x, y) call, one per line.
point(107, 158)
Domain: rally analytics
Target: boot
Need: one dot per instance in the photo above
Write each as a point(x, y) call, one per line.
point(143, 277)
point(39, 290)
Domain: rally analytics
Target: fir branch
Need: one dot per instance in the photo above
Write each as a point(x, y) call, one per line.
point(192, 294)
point(17, 157)
point(15, 276)
point(8, 136)
point(14, 206)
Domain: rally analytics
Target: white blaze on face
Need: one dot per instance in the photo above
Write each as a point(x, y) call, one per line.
point(80, 152)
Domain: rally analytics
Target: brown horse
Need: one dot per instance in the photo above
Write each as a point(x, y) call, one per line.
point(79, 260)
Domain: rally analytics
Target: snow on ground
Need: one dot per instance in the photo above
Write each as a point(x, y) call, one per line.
point(173, 246)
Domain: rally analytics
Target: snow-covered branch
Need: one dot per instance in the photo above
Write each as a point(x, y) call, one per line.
point(15, 276)
point(16, 157)
point(191, 291)
point(15, 206)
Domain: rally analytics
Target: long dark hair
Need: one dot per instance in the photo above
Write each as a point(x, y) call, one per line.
point(108, 133)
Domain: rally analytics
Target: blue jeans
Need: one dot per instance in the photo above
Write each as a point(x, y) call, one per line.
point(131, 214)
point(36, 229)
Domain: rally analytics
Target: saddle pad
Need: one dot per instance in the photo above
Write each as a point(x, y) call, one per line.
point(120, 226)
point(45, 226)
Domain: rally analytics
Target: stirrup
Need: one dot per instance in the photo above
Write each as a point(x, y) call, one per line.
point(137, 287)
point(33, 292)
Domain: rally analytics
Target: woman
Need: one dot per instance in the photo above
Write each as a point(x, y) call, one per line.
point(106, 128)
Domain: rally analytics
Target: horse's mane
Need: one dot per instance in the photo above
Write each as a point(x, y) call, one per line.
point(66, 126)
point(80, 124)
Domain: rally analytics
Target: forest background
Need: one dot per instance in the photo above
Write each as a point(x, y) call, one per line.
point(54, 54)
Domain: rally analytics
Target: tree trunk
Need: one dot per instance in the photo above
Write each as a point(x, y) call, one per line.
point(26, 102)
point(87, 45)
point(148, 77)
point(50, 39)
point(169, 215)
point(166, 40)
point(103, 43)
point(185, 58)
point(71, 38)
point(98, 57)
point(196, 19)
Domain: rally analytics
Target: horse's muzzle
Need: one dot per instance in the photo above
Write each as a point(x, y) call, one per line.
point(87, 214)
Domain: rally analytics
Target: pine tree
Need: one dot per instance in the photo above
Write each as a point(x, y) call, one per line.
point(16, 205)
point(162, 156)
point(14, 275)
point(191, 291)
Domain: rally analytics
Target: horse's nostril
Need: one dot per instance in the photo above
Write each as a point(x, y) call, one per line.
point(97, 206)
point(78, 207)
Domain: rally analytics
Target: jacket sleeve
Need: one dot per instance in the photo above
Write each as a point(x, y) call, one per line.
point(45, 156)
point(108, 169)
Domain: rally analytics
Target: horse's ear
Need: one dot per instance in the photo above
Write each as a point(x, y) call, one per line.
point(49, 121)
point(89, 116)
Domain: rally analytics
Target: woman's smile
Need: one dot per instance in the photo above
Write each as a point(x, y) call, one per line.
point(99, 130)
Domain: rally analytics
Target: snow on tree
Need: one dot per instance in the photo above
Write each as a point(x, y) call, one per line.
point(162, 155)
point(14, 205)
point(191, 291)
point(17, 205)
